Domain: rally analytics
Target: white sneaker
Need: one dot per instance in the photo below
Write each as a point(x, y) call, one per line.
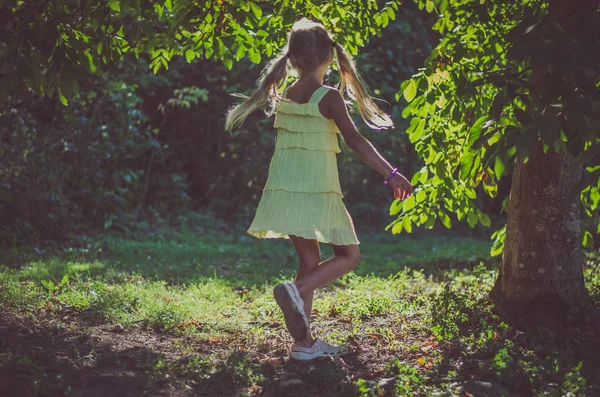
point(317, 350)
point(292, 306)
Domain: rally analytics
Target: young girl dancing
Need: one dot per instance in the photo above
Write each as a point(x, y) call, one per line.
point(302, 199)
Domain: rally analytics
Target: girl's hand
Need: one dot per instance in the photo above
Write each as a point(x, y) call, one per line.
point(401, 186)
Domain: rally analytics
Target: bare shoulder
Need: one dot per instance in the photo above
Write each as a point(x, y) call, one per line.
point(333, 101)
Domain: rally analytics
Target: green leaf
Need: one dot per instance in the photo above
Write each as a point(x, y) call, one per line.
point(414, 122)
point(588, 240)
point(415, 178)
point(256, 10)
point(446, 221)
point(476, 130)
point(418, 132)
point(61, 97)
point(466, 164)
point(397, 228)
point(497, 248)
point(430, 223)
point(90, 62)
point(484, 219)
point(396, 206)
point(114, 4)
point(408, 204)
point(169, 5)
point(407, 224)
point(190, 55)
point(254, 55)
point(472, 218)
point(240, 52)
point(421, 196)
point(443, 6)
point(429, 6)
point(410, 91)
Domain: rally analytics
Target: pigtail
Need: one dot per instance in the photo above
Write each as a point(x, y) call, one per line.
point(356, 88)
point(272, 78)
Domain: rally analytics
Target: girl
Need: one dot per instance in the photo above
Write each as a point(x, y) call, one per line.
point(302, 199)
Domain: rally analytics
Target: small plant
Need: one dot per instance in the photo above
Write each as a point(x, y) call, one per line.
point(574, 383)
point(448, 312)
point(408, 379)
point(367, 388)
point(53, 288)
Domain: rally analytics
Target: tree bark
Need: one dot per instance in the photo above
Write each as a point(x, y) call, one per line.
point(542, 259)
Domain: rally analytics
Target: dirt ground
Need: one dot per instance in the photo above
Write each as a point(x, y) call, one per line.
point(41, 358)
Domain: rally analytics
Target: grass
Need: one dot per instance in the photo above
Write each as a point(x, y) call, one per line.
point(192, 312)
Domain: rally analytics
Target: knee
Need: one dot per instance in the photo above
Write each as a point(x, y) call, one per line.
point(307, 265)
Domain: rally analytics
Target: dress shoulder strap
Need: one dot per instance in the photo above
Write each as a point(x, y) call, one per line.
point(318, 94)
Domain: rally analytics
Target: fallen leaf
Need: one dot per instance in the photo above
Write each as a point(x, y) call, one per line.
point(381, 392)
point(24, 282)
point(421, 361)
point(428, 366)
point(355, 344)
point(275, 361)
point(274, 324)
point(333, 312)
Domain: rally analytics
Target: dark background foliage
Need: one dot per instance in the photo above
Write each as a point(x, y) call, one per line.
point(133, 144)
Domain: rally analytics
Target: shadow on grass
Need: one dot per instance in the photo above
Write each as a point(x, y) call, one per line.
point(43, 358)
point(241, 260)
point(534, 355)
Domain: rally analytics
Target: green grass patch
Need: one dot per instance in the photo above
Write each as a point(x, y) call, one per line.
point(419, 304)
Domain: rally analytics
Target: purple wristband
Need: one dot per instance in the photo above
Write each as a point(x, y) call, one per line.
point(389, 178)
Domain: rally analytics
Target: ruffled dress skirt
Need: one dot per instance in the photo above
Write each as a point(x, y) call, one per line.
point(302, 196)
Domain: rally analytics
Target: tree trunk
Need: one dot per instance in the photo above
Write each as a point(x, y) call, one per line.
point(542, 259)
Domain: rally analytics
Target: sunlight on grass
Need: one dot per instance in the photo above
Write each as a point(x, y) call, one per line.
point(406, 296)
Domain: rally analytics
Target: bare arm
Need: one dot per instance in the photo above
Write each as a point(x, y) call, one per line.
point(363, 148)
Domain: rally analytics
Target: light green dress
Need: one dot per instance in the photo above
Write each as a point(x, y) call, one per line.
point(302, 196)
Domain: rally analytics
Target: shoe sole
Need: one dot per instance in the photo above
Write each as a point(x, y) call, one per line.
point(301, 356)
point(294, 319)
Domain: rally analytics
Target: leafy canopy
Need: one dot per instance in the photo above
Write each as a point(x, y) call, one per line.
point(473, 107)
point(504, 78)
point(46, 46)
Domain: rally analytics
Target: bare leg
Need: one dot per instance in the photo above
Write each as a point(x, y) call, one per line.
point(309, 256)
point(345, 260)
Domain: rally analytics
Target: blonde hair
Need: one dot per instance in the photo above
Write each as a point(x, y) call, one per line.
point(312, 46)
